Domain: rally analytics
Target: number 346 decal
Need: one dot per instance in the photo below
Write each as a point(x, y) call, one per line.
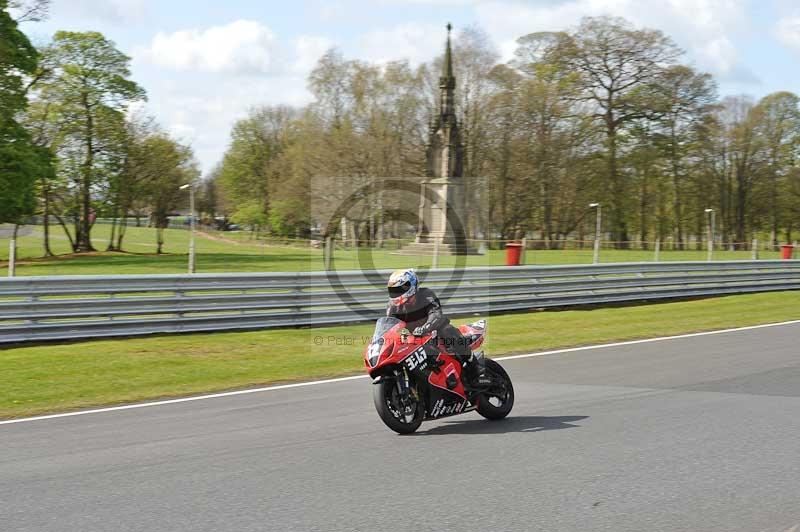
point(415, 359)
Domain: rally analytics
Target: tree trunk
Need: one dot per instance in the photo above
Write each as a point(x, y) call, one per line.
point(72, 243)
point(83, 238)
point(644, 208)
point(159, 240)
point(381, 220)
point(46, 189)
point(679, 236)
point(77, 223)
point(773, 208)
point(619, 228)
point(700, 230)
point(676, 184)
point(123, 225)
point(741, 206)
point(110, 246)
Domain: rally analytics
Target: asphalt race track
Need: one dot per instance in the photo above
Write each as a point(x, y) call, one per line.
point(692, 434)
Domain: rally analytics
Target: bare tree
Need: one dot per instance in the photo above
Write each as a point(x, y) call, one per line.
point(618, 66)
point(29, 10)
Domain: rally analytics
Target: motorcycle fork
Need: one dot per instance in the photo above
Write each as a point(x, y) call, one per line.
point(404, 387)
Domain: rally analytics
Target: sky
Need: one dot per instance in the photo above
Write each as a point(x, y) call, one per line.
point(204, 63)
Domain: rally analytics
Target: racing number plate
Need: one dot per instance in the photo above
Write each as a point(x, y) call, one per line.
point(416, 359)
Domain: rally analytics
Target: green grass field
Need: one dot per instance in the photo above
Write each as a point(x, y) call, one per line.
point(235, 252)
point(50, 378)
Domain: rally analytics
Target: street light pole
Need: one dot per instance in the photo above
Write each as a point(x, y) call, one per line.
point(191, 225)
point(598, 223)
point(711, 229)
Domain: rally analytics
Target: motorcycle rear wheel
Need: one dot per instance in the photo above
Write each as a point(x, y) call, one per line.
point(385, 394)
point(497, 402)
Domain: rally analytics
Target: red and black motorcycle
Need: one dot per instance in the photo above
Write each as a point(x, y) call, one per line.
point(416, 379)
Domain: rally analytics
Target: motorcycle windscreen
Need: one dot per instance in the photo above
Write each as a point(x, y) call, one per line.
point(383, 325)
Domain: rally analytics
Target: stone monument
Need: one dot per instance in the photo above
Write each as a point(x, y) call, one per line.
point(442, 208)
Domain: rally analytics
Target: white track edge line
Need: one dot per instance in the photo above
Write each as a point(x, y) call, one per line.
point(354, 377)
point(181, 399)
point(648, 340)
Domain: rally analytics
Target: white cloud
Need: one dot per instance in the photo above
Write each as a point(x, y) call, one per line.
point(203, 112)
point(437, 3)
point(416, 42)
point(331, 10)
point(787, 30)
point(197, 104)
point(719, 53)
point(307, 50)
point(114, 11)
point(241, 47)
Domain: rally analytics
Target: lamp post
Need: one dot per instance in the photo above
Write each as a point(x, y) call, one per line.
point(598, 222)
point(191, 224)
point(710, 234)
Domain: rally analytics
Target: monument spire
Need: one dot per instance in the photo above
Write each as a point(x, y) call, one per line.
point(447, 82)
point(442, 209)
point(447, 68)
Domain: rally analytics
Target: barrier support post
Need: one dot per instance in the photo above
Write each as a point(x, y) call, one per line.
point(12, 257)
point(328, 252)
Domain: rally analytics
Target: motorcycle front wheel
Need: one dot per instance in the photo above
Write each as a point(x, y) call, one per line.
point(392, 412)
point(498, 400)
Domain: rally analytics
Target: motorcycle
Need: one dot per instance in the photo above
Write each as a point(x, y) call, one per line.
point(416, 379)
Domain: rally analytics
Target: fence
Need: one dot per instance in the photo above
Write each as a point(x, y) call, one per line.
point(75, 307)
point(240, 251)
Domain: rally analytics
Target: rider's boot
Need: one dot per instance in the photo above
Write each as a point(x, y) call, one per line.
point(475, 371)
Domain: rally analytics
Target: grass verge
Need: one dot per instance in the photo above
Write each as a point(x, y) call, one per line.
point(235, 253)
point(50, 378)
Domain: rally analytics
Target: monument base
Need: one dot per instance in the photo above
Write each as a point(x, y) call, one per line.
point(429, 248)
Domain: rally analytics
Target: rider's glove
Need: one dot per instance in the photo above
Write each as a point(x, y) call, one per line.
point(419, 331)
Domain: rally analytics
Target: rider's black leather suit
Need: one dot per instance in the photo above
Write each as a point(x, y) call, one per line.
point(423, 314)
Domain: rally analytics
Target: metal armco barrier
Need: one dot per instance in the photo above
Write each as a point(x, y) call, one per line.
point(76, 307)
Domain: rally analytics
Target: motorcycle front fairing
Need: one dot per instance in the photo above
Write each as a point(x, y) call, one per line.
point(386, 348)
point(437, 374)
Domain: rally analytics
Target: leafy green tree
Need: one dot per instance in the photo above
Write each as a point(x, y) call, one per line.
point(176, 167)
point(620, 68)
point(21, 163)
point(250, 213)
point(45, 131)
point(778, 123)
point(290, 218)
point(91, 86)
point(248, 170)
point(686, 97)
point(550, 132)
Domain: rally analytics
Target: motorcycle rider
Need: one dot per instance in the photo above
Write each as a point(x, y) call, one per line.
point(422, 312)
